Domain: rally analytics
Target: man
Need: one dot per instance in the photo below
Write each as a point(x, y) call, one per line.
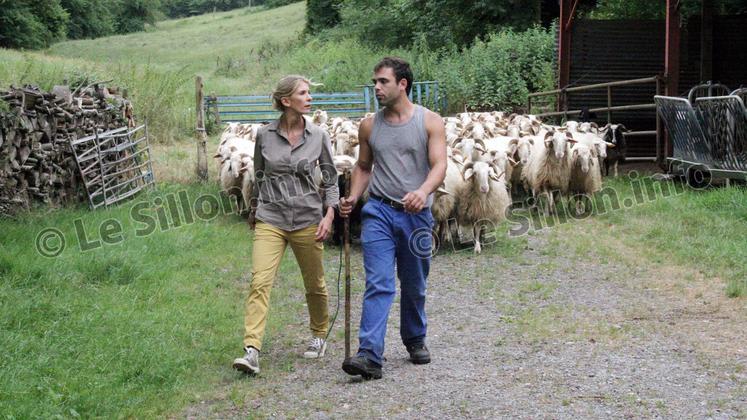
point(403, 155)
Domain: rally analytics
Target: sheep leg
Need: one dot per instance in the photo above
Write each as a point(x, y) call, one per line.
point(615, 168)
point(476, 228)
point(579, 207)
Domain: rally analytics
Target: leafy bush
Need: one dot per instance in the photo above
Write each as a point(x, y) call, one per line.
point(500, 72)
point(398, 23)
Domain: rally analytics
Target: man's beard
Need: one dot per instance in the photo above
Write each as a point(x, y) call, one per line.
point(383, 101)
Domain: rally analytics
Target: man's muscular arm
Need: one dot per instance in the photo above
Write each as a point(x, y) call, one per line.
point(362, 170)
point(414, 201)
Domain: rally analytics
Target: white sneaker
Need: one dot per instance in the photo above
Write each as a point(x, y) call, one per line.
point(249, 363)
point(316, 348)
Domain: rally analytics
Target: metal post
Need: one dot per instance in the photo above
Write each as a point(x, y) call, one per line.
point(564, 47)
point(659, 133)
point(367, 99)
point(609, 104)
point(202, 167)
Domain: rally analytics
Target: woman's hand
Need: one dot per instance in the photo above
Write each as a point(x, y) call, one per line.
point(325, 226)
point(252, 220)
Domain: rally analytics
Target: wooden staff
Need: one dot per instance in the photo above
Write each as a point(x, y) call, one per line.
point(346, 240)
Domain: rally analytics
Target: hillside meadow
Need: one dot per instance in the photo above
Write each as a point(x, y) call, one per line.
point(146, 325)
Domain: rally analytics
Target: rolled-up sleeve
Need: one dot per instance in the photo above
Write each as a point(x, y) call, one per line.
point(259, 171)
point(329, 174)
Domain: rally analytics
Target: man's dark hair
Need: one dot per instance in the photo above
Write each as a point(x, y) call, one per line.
point(400, 67)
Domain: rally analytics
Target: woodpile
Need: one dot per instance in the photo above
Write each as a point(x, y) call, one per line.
point(37, 163)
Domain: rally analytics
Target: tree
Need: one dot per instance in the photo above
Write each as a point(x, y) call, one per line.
point(133, 15)
point(322, 14)
point(89, 18)
point(397, 23)
point(31, 24)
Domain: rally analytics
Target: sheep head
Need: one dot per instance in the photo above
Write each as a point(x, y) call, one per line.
point(481, 173)
point(557, 141)
point(571, 126)
point(582, 155)
point(524, 149)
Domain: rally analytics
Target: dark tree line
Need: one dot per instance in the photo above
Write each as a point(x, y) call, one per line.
point(443, 23)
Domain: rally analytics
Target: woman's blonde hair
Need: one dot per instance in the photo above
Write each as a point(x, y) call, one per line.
point(285, 88)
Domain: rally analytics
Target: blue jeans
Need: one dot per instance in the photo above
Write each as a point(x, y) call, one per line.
point(390, 235)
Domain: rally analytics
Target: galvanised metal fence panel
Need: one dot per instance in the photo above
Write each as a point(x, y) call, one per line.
point(707, 89)
point(741, 92)
point(258, 108)
point(725, 123)
point(426, 93)
point(114, 165)
point(712, 134)
point(685, 129)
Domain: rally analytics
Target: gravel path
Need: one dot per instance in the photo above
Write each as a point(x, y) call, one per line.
point(543, 335)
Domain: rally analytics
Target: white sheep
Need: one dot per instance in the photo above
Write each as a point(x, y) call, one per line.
point(445, 198)
point(521, 156)
point(320, 117)
point(586, 174)
point(548, 169)
point(247, 179)
point(483, 198)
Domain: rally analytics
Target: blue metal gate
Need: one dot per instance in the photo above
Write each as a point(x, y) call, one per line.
point(258, 108)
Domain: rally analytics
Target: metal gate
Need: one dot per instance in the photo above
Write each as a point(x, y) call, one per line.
point(114, 165)
point(258, 108)
point(712, 134)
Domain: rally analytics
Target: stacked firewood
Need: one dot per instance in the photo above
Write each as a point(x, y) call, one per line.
point(37, 164)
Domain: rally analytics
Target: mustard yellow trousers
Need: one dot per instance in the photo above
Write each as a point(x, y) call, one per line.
point(269, 247)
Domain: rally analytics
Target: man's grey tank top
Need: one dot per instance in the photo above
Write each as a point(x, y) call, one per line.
point(400, 156)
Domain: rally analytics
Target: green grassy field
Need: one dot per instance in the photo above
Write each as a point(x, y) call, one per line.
point(240, 51)
point(203, 45)
point(146, 325)
point(136, 325)
point(703, 230)
point(145, 322)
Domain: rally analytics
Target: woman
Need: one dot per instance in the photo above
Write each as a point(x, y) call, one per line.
point(288, 208)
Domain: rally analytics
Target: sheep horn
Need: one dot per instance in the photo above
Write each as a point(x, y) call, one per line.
point(610, 144)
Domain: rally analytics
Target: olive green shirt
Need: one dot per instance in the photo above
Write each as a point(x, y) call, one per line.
point(287, 189)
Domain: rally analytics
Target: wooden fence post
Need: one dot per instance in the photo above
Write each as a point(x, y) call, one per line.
point(202, 168)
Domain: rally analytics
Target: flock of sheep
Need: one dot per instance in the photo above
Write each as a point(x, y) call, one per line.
point(491, 157)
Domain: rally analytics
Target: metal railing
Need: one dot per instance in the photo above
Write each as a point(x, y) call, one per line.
point(712, 134)
point(562, 100)
point(258, 108)
point(114, 165)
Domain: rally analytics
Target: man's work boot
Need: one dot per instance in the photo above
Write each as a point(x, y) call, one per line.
point(419, 354)
point(358, 365)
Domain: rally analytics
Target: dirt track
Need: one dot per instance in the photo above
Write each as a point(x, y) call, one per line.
point(541, 333)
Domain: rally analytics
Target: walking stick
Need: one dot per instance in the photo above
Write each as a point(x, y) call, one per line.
point(346, 240)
